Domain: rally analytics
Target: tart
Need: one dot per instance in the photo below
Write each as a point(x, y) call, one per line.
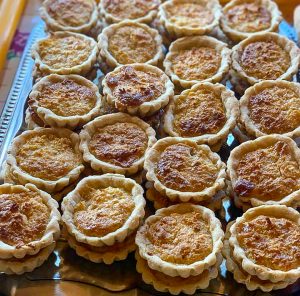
point(64, 101)
point(265, 242)
point(197, 59)
point(116, 143)
point(182, 240)
point(244, 18)
point(137, 89)
point(186, 18)
point(29, 227)
point(271, 107)
point(78, 16)
point(206, 113)
point(101, 217)
point(64, 53)
point(266, 171)
point(183, 170)
point(265, 56)
point(130, 42)
point(46, 157)
point(143, 11)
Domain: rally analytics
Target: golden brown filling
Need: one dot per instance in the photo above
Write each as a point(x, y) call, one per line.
point(265, 60)
point(189, 14)
point(23, 218)
point(184, 168)
point(271, 242)
point(196, 63)
point(102, 210)
point(131, 87)
point(120, 144)
point(67, 98)
point(64, 52)
point(48, 156)
point(249, 17)
point(181, 238)
point(132, 44)
point(73, 13)
point(268, 173)
point(130, 9)
point(275, 109)
point(200, 112)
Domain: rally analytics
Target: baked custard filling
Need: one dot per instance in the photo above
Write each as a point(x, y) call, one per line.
point(67, 98)
point(265, 60)
point(121, 144)
point(180, 238)
point(249, 17)
point(48, 157)
point(199, 112)
point(131, 87)
point(275, 109)
point(102, 210)
point(268, 173)
point(271, 242)
point(23, 218)
point(196, 63)
point(186, 169)
point(64, 51)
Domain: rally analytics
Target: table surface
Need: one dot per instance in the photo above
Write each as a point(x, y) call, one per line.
point(30, 19)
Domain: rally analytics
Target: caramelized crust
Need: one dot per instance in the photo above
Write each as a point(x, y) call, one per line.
point(189, 14)
point(184, 168)
point(73, 13)
point(67, 98)
point(271, 242)
point(120, 144)
point(181, 238)
point(249, 17)
point(196, 63)
point(47, 156)
point(269, 173)
point(23, 218)
point(275, 109)
point(132, 87)
point(102, 210)
point(130, 9)
point(265, 60)
point(61, 52)
point(132, 44)
point(200, 112)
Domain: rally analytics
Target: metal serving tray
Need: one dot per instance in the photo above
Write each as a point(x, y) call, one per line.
point(65, 273)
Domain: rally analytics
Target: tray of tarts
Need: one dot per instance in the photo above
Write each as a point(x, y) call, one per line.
point(151, 147)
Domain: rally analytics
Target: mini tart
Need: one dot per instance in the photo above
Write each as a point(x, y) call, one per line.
point(176, 285)
point(265, 241)
point(142, 11)
point(64, 100)
point(197, 59)
point(138, 89)
point(183, 170)
point(65, 53)
point(271, 107)
point(206, 113)
point(130, 42)
point(244, 18)
point(265, 56)
point(78, 16)
point(103, 210)
point(266, 171)
point(46, 157)
point(181, 240)
point(116, 143)
point(186, 18)
point(29, 221)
